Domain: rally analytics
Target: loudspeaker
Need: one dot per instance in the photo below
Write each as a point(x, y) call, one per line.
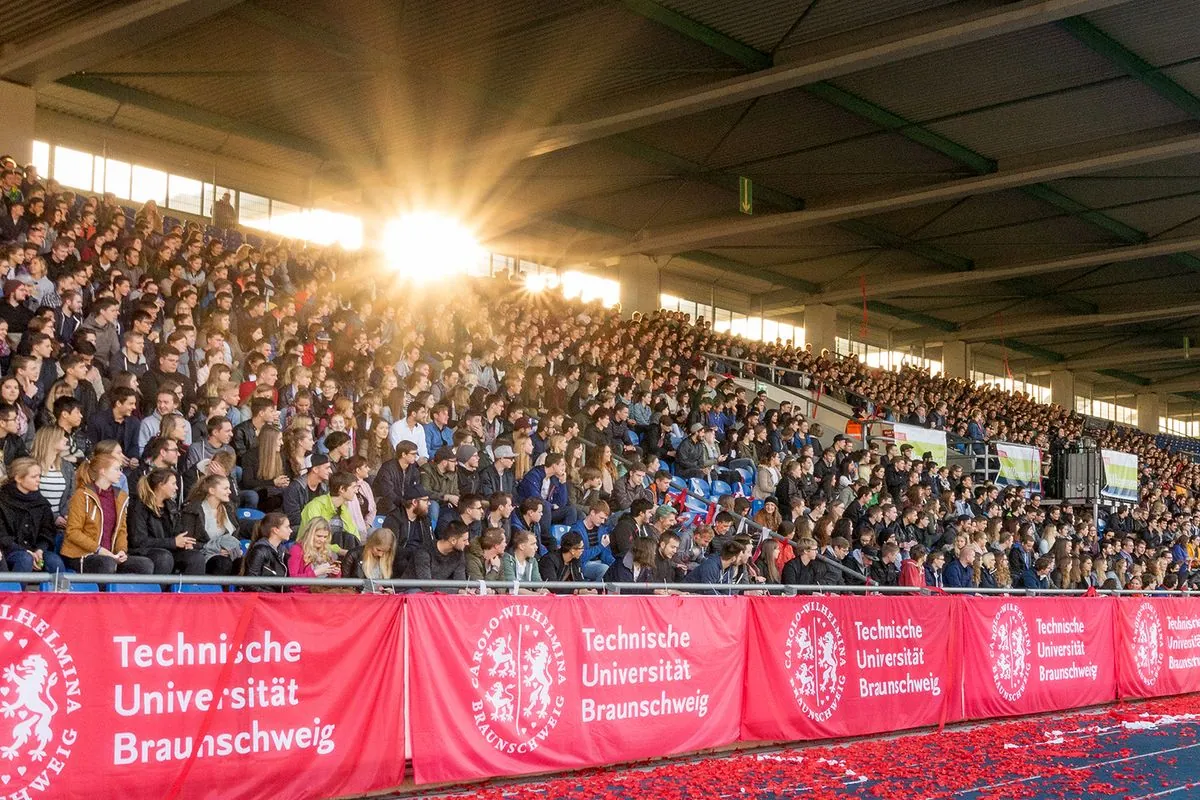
point(1079, 476)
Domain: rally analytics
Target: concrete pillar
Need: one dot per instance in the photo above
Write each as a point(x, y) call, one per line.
point(954, 359)
point(1148, 412)
point(1062, 388)
point(16, 132)
point(640, 287)
point(820, 327)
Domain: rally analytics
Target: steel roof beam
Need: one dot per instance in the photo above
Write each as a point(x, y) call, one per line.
point(1043, 325)
point(1008, 18)
point(715, 230)
point(103, 36)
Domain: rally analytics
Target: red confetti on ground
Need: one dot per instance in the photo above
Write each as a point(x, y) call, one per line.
point(1054, 756)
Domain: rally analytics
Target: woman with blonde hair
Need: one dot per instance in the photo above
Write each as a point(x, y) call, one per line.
point(57, 483)
point(375, 560)
point(262, 469)
point(523, 447)
point(312, 555)
point(27, 529)
point(601, 457)
point(97, 535)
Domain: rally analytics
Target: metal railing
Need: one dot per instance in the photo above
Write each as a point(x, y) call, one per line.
point(63, 581)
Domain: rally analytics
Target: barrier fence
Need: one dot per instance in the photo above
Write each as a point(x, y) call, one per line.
point(241, 695)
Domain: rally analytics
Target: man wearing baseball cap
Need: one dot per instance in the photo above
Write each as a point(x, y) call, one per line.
point(499, 476)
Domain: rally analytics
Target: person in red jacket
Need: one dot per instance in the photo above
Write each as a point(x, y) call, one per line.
point(912, 570)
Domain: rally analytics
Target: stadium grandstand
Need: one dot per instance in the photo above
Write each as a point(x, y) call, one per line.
point(759, 374)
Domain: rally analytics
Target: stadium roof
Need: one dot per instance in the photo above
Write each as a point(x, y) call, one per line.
point(1016, 174)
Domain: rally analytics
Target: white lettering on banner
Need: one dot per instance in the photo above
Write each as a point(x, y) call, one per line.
point(1183, 623)
point(39, 689)
point(614, 673)
point(1182, 651)
point(1052, 627)
point(662, 705)
point(1071, 673)
point(521, 698)
point(184, 653)
point(128, 749)
point(814, 656)
point(1192, 662)
point(908, 635)
point(643, 639)
point(257, 693)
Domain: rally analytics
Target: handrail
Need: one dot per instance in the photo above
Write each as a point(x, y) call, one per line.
point(789, 389)
point(366, 584)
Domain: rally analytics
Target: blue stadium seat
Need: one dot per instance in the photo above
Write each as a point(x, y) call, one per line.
point(699, 487)
point(10, 587)
point(694, 503)
point(718, 488)
point(379, 521)
point(756, 506)
point(136, 588)
point(632, 438)
point(197, 588)
point(747, 475)
point(557, 532)
point(85, 588)
point(252, 514)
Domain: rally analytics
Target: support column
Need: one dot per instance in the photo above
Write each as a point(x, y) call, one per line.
point(16, 132)
point(1062, 388)
point(954, 359)
point(820, 327)
point(1148, 412)
point(640, 287)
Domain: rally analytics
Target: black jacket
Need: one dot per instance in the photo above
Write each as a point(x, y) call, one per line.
point(149, 530)
point(12, 448)
point(491, 481)
point(245, 439)
point(265, 561)
point(390, 483)
point(26, 520)
point(102, 426)
point(797, 573)
point(552, 569)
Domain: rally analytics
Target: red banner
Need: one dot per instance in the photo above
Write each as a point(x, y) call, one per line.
point(1159, 646)
point(1030, 655)
point(221, 696)
point(828, 666)
point(514, 685)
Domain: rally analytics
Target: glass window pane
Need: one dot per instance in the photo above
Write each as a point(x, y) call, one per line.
point(738, 325)
point(770, 330)
point(116, 177)
point(211, 195)
point(253, 209)
point(184, 194)
point(148, 184)
point(98, 164)
point(721, 319)
point(668, 302)
point(73, 168)
point(41, 158)
point(281, 209)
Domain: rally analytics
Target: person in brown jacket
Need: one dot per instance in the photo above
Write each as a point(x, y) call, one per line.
point(96, 538)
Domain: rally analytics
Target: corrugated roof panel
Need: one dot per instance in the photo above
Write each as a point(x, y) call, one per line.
point(1082, 116)
point(783, 123)
point(975, 76)
point(1104, 191)
point(24, 21)
point(564, 63)
point(1032, 241)
point(1160, 31)
point(833, 17)
point(997, 210)
point(758, 24)
point(854, 169)
point(659, 207)
point(1156, 216)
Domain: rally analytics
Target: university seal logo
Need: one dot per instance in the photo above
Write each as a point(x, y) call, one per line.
point(39, 689)
point(1010, 648)
point(1147, 642)
point(517, 670)
point(815, 658)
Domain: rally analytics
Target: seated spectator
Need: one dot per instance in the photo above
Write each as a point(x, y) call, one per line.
point(153, 522)
point(265, 557)
point(411, 525)
point(886, 571)
point(802, 570)
point(440, 480)
point(666, 569)
point(721, 568)
point(912, 568)
point(630, 487)
point(445, 560)
point(362, 507)
point(395, 477)
point(597, 556)
point(633, 525)
point(638, 565)
point(57, 483)
point(548, 484)
point(374, 560)
point(312, 555)
point(27, 529)
point(12, 445)
point(520, 564)
point(262, 469)
point(334, 507)
point(1038, 576)
point(960, 573)
point(484, 556)
point(96, 540)
point(300, 492)
point(209, 518)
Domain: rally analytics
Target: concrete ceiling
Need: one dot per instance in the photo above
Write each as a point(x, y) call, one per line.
point(1023, 175)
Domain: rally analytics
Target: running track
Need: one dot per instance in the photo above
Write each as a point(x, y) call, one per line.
point(1134, 751)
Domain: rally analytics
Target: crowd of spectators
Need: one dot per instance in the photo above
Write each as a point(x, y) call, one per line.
point(159, 387)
